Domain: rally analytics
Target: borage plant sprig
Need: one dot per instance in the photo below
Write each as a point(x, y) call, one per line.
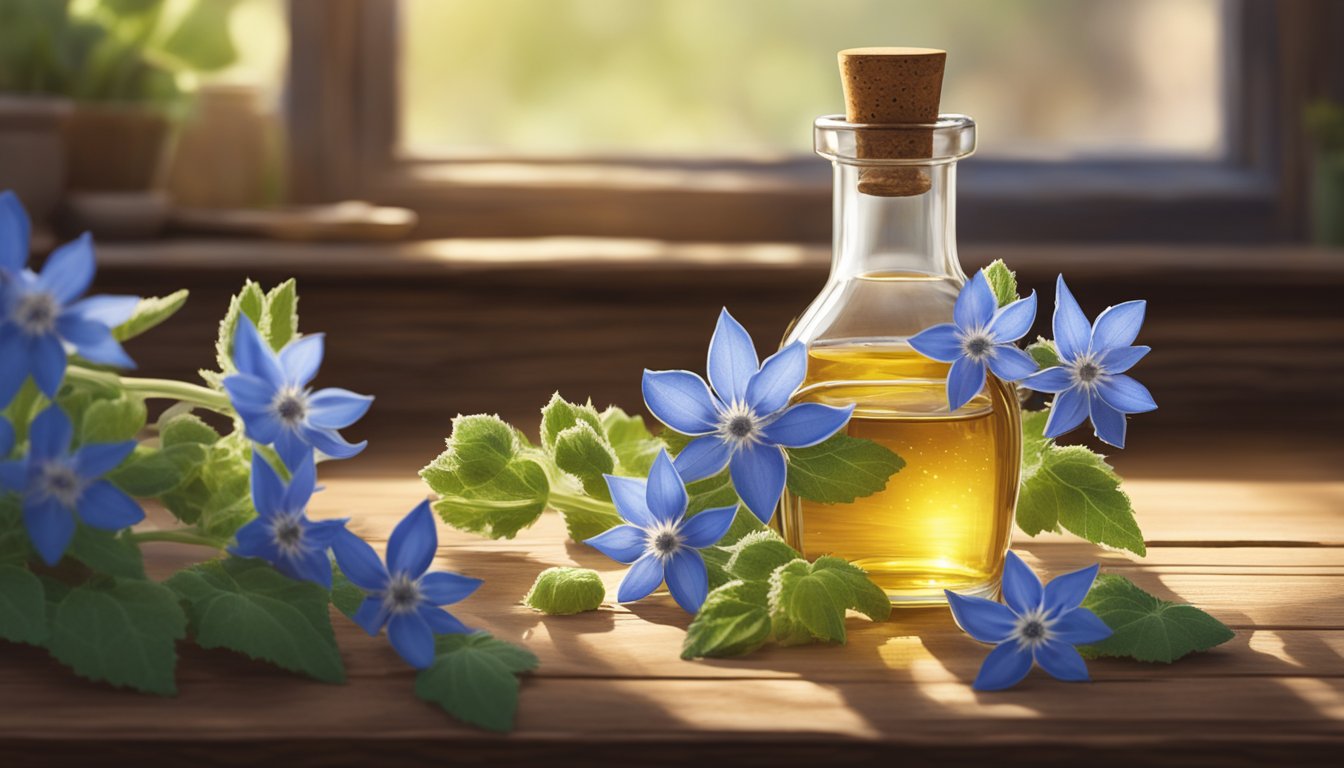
point(78, 457)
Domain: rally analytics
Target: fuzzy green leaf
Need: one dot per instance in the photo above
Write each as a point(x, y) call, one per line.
point(249, 301)
point(583, 453)
point(585, 519)
point(150, 313)
point(106, 552)
point(865, 596)
point(1076, 489)
point(280, 323)
point(734, 620)
point(112, 421)
point(186, 429)
point(807, 604)
point(841, 469)
point(755, 556)
point(1044, 352)
point(245, 605)
point(1146, 628)
point(559, 415)
point(566, 591)
point(23, 609)
point(474, 678)
point(1003, 281)
point(484, 482)
point(124, 634)
point(634, 445)
point(152, 472)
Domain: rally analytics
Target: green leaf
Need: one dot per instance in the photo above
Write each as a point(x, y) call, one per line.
point(13, 536)
point(734, 620)
point(474, 678)
point(280, 323)
point(565, 591)
point(201, 40)
point(1003, 281)
point(186, 429)
point(841, 469)
point(583, 453)
point(744, 523)
point(250, 301)
point(807, 604)
point(711, 493)
point(114, 554)
point(344, 594)
point(245, 605)
point(150, 313)
point(755, 556)
point(23, 608)
point(1034, 442)
point(1076, 489)
point(865, 596)
point(634, 445)
point(584, 518)
point(1146, 628)
point(112, 421)
point(152, 472)
point(559, 415)
point(124, 634)
point(716, 566)
point(484, 482)
point(1044, 352)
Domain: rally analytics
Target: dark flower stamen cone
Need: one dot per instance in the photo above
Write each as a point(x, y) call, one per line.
point(900, 88)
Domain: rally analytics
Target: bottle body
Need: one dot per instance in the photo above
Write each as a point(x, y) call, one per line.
point(944, 520)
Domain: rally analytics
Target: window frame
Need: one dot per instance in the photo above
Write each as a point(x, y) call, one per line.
point(342, 123)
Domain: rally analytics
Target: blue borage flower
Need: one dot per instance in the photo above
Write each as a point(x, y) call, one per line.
point(282, 534)
point(980, 337)
point(42, 314)
point(401, 596)
point(746, 420)
point(1037, 624)
point(658, 539)
point(271, 394)
point(57, 485)
point(6, 438)
point(1091, 380)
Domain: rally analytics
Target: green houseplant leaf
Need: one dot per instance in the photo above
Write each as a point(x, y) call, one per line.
point(123, 633)
point(1146, 628)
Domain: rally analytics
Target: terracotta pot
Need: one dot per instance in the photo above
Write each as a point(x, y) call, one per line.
point(117, 147)
point(32, 155)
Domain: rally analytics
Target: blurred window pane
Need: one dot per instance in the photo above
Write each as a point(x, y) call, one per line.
point(1054, 79)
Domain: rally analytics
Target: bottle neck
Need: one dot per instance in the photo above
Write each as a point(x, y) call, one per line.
point(911, 235)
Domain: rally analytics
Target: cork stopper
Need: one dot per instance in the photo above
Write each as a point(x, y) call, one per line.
point(896, 86)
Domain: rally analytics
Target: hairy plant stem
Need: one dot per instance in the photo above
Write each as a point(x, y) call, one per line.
point(179, 536)
point(168, 389)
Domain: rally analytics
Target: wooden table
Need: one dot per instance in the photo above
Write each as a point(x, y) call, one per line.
point(1265, 557)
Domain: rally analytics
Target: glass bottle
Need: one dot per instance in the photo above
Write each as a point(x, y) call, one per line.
point(944, 520)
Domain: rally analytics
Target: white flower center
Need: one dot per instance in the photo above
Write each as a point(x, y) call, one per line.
point(1086, 371)
point(36, 313)
point(664, 541)
point(1033, 629)
point(58, 480)
point(977, 345)
point(402, 594)
point(739, 425)
point(291, 406)
point(287, 531)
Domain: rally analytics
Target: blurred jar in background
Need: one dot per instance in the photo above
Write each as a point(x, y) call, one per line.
point(228, 151)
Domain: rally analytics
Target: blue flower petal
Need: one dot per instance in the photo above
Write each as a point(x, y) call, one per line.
point(681, 400)
point(1010, 363)
point(334, 408)
point(1055, 379)
point(107, 508)
point(769, 389)
point(732, 359)
point(1118, 326)
point(103, 351)
point(253, 356)
point(624, 543)
point(292, 447)
point(1004, 667)
point(302, 483)
point(640, 581)
point(1073, 333)
point(47, 358)
point(941, 342)
point(50, 433)
point(6, 438)
point(321, 533)
point(359, 562)
point(444, 588)
point(758, 473)
point(707, 527)
point(412, 639)
point(255, 540)
point(250, 394)
point(268, 492)
point(705, 456)
point(50, 527)
point(442, 622)
point(1121, 359)
point(372, 615)
point(330, 442)
point(14, 351)
point(1125, 394)
point(975, 304)
point(688, 580)
point(628, 494)
point(965, 380)
point(301, 358)
point(69, 270)
point(13, 475)
point(807, 424)
point(1022, 591)
point(984, 620)
point(1108, 424)
point(1012, 322)
point(111, 311)
point(410, 548)
point(1080, 626)
point(1066, 592)
point(665, 492)
point(1068, 410)
point(97, 459)
point(15, 231)
point(1062, 661)
point(312, 566)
